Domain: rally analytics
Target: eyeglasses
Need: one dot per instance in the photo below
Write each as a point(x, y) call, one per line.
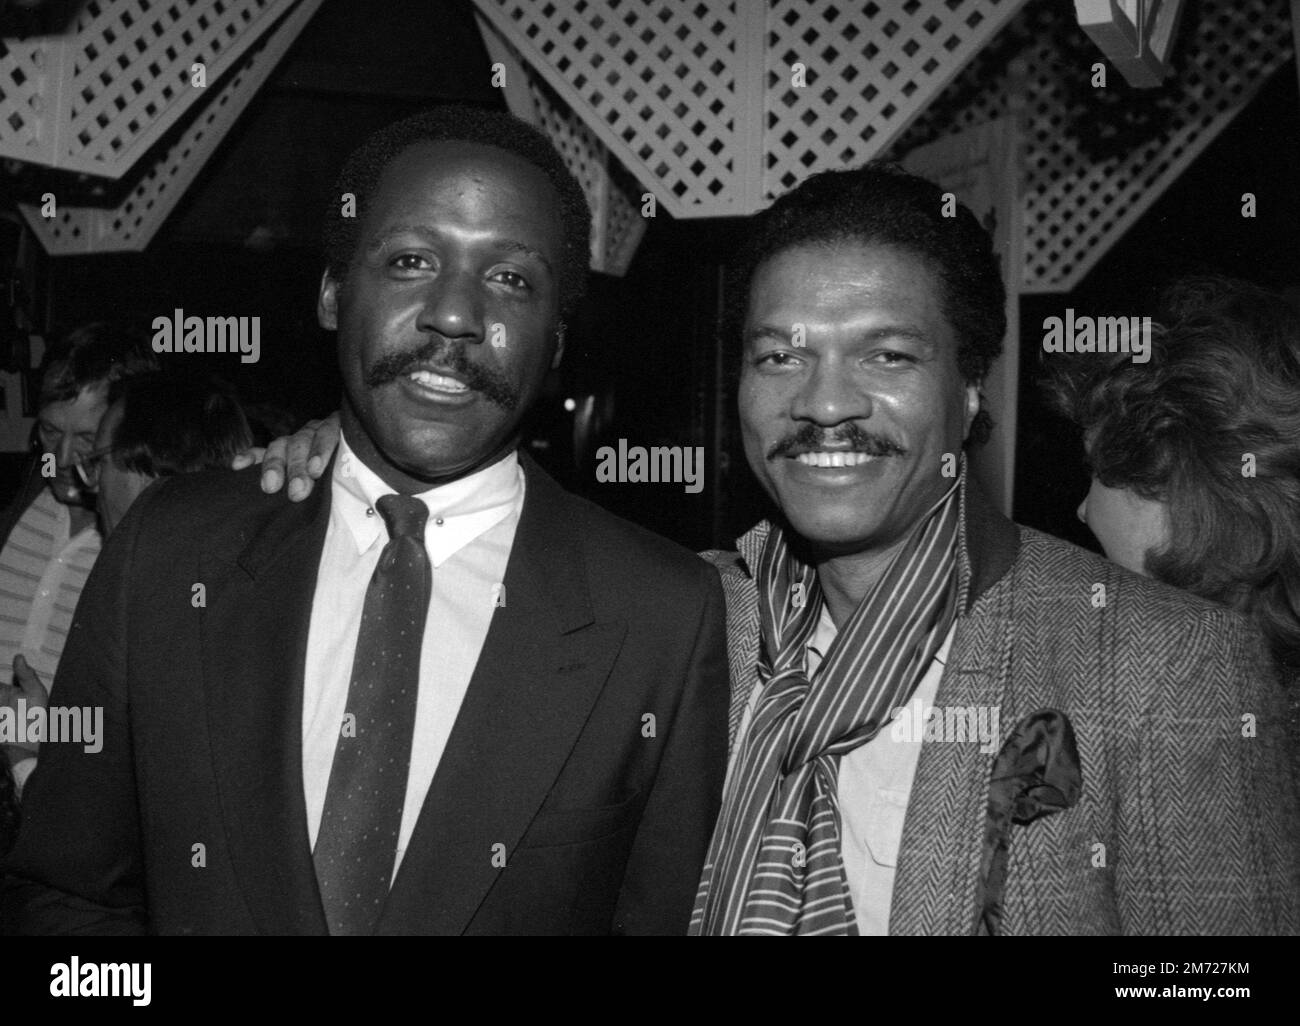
point(89, 466)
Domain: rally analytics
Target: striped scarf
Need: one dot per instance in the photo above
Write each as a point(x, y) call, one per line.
point(774, 865)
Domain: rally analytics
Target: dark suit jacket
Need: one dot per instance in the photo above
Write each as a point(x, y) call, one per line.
point(1188, 821)
point(604, 828)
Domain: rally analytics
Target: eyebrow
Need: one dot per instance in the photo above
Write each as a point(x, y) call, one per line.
point(906, 332)
point(428, 232)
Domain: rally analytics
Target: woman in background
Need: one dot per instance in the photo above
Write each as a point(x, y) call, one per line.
point(1195, 455)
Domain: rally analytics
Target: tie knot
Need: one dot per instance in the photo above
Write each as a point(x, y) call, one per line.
point(405, 516)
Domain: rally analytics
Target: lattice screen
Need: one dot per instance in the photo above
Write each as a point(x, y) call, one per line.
point(872, 67)
point(1079, 198)
point(698, 101)
point(617, 226)
point(95, 99)
point(161, 179)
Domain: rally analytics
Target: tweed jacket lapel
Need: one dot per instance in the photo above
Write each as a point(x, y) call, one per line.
point(939, 854)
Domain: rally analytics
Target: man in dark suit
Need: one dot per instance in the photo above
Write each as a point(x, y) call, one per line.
point(426, 700)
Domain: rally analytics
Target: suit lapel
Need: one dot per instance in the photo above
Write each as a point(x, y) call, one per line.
point(543, 663)
point(254, 651)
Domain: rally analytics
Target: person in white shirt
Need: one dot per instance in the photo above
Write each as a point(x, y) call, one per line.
point(49, 538)
point(162, 424)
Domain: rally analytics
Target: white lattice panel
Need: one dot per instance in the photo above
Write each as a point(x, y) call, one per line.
point(657, 81)
point(155, 188)
point(870, 69)
point(697, 99)
point(616, 223)
point(1076, 205)
point(96, 99)
point(617, 226)
point(25, 87)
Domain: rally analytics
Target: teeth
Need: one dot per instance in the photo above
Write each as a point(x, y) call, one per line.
point(833, 459)
point(443, 384)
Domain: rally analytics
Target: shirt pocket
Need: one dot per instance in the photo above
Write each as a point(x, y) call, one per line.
point(886, 811)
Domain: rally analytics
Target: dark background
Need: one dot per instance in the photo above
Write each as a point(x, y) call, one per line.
point(648, 339)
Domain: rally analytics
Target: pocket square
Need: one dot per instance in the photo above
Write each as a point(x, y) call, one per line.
point(1035, 773)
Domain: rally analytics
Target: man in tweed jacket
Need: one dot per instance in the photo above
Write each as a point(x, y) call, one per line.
point(1196, 824)
point(1169, 805)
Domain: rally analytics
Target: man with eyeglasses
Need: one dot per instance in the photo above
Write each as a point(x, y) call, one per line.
point(48, 533)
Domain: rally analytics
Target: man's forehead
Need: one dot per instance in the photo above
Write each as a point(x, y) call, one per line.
point(439, 162)
point(89, 402)
point(483, 186)
point(846, 284)
point(845, 259)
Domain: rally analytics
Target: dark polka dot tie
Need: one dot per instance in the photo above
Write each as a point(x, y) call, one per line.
point(359, 827)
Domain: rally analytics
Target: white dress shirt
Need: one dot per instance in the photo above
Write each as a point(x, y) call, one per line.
point(875, 783)
point(468, 537)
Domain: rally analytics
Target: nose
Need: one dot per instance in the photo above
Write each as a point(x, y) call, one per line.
point(830, 396)
point(66, 451)
point(453, 307)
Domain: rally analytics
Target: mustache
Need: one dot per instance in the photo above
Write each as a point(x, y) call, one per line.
point(487, 381)
point(810, 437)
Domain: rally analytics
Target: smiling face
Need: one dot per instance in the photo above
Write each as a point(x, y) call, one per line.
point(447, 315)
point(847, 431)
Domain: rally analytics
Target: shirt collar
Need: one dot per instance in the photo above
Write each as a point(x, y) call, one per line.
point(459, 511)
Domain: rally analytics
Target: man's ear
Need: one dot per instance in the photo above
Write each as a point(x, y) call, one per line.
point(972, 403)
point(327, 303)
point(559, 345)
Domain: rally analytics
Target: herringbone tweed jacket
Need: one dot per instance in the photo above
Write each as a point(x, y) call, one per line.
point(1187, 823)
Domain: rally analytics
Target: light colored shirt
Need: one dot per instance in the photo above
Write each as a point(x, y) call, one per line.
point(43, 568)
point(468, 537)
point(875, 783)
point(42, 572)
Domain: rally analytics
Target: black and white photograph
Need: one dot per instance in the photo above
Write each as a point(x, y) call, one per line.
point(681, 468)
